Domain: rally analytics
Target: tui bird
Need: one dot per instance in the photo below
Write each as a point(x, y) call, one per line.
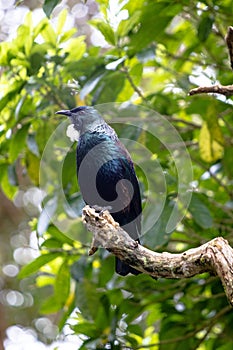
point(106, 174)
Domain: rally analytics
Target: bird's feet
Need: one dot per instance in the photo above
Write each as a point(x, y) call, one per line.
point(100, 210)
point(92, 250)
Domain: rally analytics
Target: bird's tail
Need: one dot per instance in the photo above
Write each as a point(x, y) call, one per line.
point(123, 269)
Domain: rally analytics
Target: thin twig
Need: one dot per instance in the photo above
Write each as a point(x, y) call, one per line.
point(134, 86)
point(186, 122)
point(190, 334)
point(214, 177)
point(228, 125)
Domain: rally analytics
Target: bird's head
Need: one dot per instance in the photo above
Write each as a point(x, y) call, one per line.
point(83, 118)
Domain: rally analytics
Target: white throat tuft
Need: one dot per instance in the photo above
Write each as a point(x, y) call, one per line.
point(72, 133)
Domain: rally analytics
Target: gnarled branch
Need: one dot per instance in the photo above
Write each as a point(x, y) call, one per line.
point(215, 256)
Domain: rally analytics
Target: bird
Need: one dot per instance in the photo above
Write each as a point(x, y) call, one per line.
point(106, 174)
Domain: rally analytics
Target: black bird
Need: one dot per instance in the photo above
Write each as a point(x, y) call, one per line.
point(106, 174)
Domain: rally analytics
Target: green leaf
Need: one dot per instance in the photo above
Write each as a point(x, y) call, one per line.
point(35, 265)
point(61, 290)
point(91, 84)
point(115, 296)
point(43, 134)
point(106, 270)
point(46, 215)
point(111, 87)
point(28, 21)
point(33, 166)
point(23, 36)
point(106, 307)
point(75, 49)
point(69, 168)
point(40, 27)
point(32, 145)
point(67, 35)
point(147, 54)
point(135, 329)
point(51, 243)
point(67, 312)
point(5, 49)
point(132, 341)
point(49, 6)
point(14, 91)
point(12, 176)
point(87, 301)
point(228, 161)
point(127, 25)
point(156, 15)
point(74, 205)
point(158, 234)
point(78, 269)
point(19, 107)
point(62, 283)
point(204, 27)
point(41, 49)
point(36, 61)
point(200, 212)
point(49, 35)
point(58, 235)
point(86, 328)
point(8, 189)
point(105, 29)
point(135, 74)
point(50, 305)
point(227, 346)
point(18, 142)
point(211, 142)
point(61, 21)
point(20, 62)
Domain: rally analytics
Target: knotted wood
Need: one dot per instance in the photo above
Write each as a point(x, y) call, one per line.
point(215, 256)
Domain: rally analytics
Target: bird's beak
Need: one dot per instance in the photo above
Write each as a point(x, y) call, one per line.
point(66, 112)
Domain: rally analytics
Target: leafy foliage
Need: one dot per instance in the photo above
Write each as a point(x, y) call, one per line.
point(153, 58)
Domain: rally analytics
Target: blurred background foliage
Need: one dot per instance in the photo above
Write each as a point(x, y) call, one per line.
point(56, 55)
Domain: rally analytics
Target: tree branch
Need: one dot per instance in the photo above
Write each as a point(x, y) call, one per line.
point(229, 41)
point(226, 90)
point(215, 256)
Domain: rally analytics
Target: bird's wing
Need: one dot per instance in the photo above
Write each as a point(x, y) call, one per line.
point(132, 211)
point(117, 166)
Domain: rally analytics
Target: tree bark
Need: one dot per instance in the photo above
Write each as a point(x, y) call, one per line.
point(215, 256)
point(226, 90)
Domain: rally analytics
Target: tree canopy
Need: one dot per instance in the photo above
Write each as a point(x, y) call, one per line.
point(154, 53)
